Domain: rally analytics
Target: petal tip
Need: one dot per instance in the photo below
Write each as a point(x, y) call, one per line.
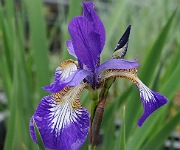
point(151, 102)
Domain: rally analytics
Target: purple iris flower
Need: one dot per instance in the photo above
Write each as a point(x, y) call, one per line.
point(61, 119)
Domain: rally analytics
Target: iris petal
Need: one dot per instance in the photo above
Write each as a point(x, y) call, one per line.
point(116, 64)
point(61, 120)
point(71, 51)
point(92, 16)
point(66, 75)
point(85, 40)
point(64, 70)
point(72, 80)
point(151, 100)
point(70, 48)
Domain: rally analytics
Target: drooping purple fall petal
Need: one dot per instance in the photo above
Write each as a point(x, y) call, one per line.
point(151, 101)
point(61, 120)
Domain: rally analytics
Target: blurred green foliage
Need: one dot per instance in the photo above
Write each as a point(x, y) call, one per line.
point(27, 65)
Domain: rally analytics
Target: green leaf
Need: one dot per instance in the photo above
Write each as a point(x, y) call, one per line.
point(74, 9)
point(151, 62)
point(38, 43)
point(161, 135)
point(153, 56)
point(122, 133)
point(38, 136)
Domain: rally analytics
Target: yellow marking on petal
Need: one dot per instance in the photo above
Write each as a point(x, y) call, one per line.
point(76, 104)
point(70, 95)
point(59, 96)
point(67, 63)
point(130, 74)
point(66, 107)
point(66, 68)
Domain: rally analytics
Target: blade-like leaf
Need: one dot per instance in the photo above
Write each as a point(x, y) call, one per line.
point(38, 43)
point(153, 56)
point(160, 136)
point(122, 133)
point(146, 74)
point(39, 139)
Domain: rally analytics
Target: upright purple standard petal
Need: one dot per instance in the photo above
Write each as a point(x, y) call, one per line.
point(151, 101)
point(85, 41)
point(92, 16)
point(61, 120)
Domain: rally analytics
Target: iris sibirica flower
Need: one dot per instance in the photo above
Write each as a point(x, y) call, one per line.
point(61, 119)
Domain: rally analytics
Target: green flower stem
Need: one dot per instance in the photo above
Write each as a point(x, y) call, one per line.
point(97, 120)
point(91, 147)
point(98, 114)
point(94, 100)
point(97, 111)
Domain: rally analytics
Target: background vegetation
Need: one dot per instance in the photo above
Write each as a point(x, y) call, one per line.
point(32, 44)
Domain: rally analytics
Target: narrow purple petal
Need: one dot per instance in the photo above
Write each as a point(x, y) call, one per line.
point(70, 48)
point(85, 40)
point(151, 101)
point(116, 64)
point(92, 16)
point(72, 80)
point(61, 120)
